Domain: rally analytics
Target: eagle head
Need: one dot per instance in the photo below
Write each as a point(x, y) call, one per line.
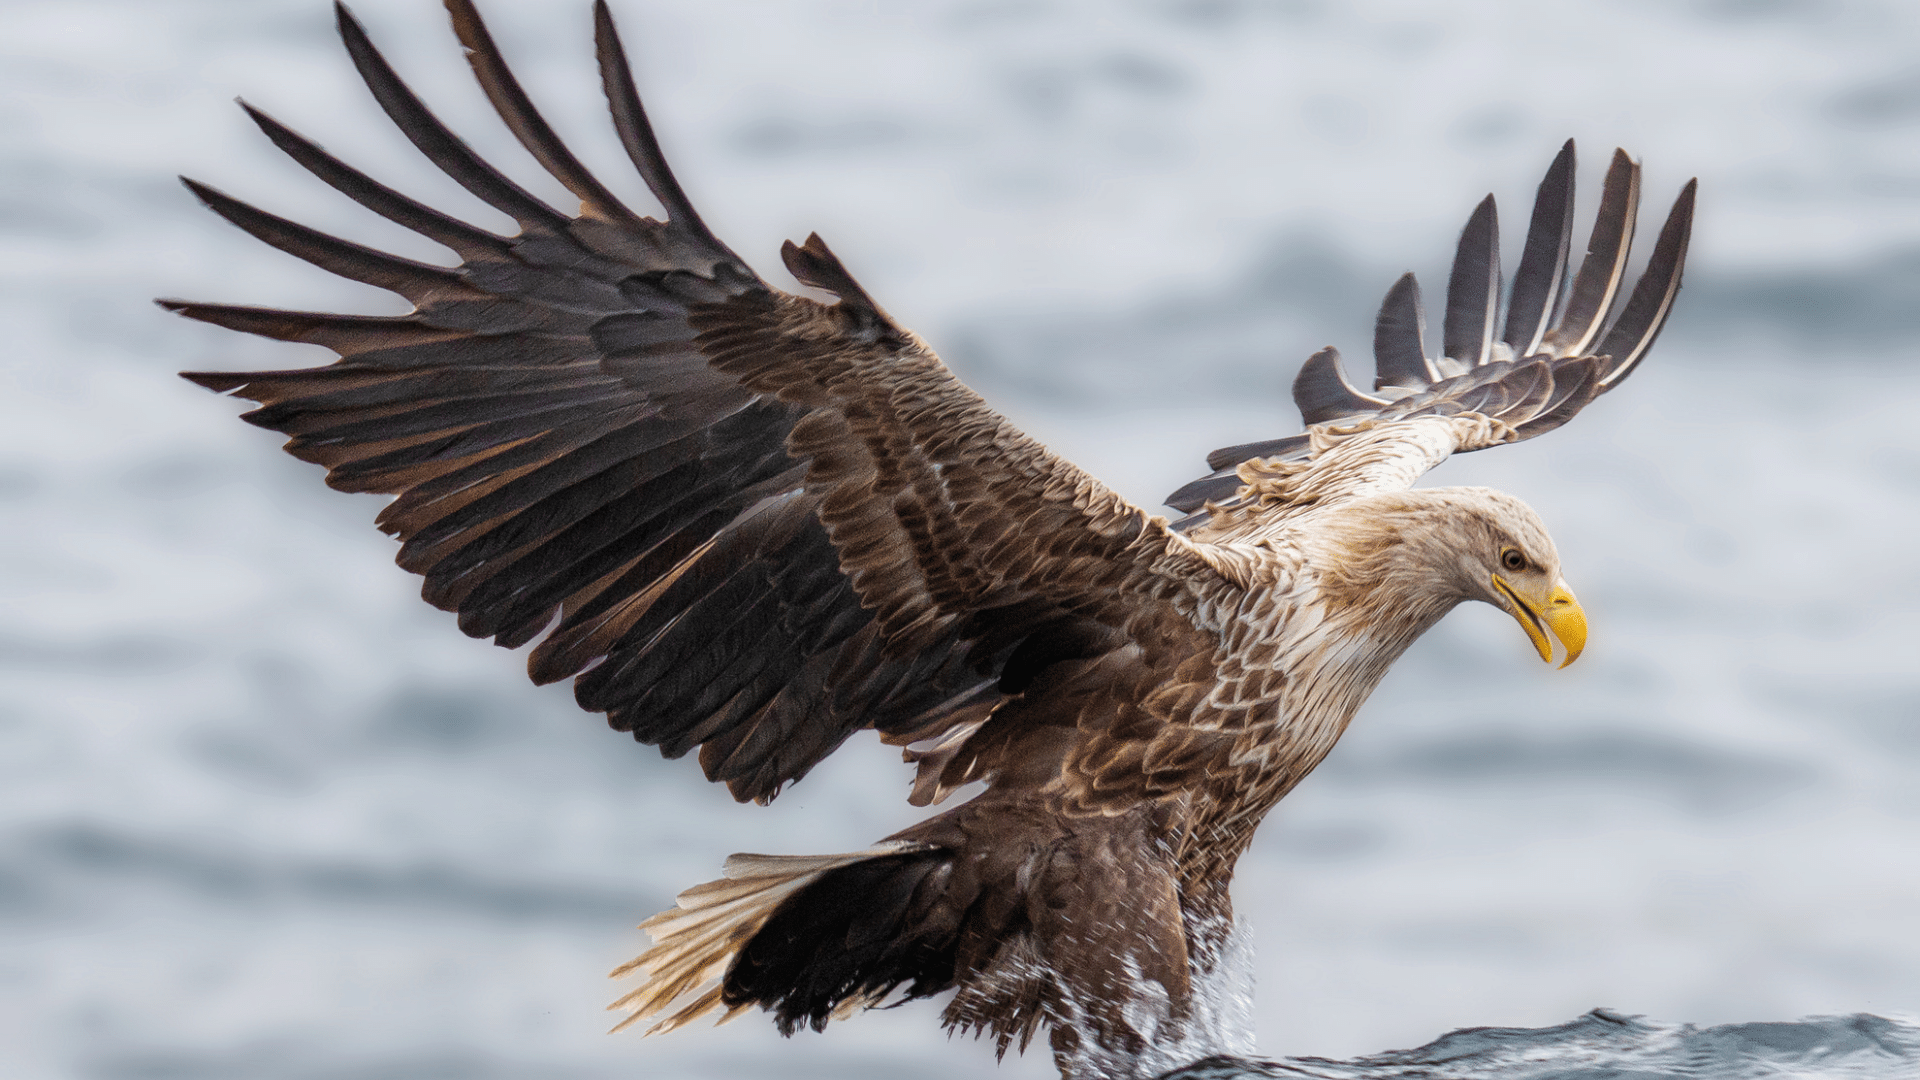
point(1426, 550)
point(1516, 568)
point(1501, 554)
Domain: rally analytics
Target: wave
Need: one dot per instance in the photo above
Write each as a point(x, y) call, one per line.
point(1605, 1045)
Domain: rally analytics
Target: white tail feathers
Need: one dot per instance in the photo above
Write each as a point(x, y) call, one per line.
point(695, 941)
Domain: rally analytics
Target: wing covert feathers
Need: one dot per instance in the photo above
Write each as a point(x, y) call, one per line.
point(744, 522)
point(1560, 345)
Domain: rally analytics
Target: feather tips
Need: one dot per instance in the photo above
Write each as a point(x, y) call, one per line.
point(1542, 273)
point(1640, 322)
point(1473, 289)
point(526, 123)
point(1400, 341)
point(636, 135)
point(432, 138)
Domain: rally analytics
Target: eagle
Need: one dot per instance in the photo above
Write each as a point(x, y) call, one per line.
point(751, 523)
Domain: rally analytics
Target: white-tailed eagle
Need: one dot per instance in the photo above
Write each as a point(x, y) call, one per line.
point(751, 524)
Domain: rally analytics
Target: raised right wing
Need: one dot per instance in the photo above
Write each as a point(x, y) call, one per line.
point(1556, 351)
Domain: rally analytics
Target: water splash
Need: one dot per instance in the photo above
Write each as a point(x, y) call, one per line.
point(1218, 1025)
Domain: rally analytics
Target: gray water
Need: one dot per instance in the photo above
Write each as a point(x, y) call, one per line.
point(1605, 1045)
point(264, 814)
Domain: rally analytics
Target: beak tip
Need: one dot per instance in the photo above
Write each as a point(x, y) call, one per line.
point(1560, 614)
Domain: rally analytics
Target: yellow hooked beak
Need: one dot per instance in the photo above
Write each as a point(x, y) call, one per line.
point(1558, 611)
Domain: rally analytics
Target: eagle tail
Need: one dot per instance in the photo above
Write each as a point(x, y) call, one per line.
point(1039, 922)
point(808, 937)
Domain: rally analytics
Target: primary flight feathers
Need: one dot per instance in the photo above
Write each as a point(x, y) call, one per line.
point(1556, 352)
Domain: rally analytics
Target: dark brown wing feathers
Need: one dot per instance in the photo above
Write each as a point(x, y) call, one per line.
point(1542, 273)
point(636, 135)
point(1473, 289)
point(514, 107)
point(1556, 353)
point(748, 523)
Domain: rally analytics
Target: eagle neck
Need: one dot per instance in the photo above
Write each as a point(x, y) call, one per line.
point(1357, 598)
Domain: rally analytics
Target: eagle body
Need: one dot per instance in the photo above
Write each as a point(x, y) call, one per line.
point(751, 524)
point(1090, 880)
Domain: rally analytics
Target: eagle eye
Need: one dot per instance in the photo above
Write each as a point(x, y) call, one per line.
point(1513, 560)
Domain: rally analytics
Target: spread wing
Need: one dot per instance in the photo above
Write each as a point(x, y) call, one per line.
point(1561, 345)
point(747, 521)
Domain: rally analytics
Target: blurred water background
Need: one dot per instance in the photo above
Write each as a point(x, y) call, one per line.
point(265, 814)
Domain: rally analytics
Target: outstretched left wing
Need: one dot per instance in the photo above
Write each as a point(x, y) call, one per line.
point(748, 522)
point(1560, 346)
